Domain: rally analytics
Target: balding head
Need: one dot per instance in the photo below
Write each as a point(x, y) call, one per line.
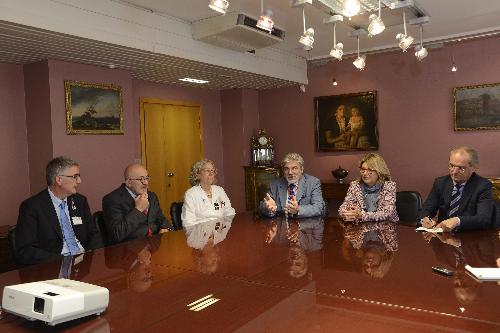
point(136, 178)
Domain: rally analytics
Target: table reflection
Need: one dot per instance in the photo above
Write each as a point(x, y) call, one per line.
point(203, 238)
point(134, 258)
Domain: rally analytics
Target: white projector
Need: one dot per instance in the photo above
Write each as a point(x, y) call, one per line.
point(55, 301)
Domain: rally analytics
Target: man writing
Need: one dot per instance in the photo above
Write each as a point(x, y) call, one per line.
point(463, 199)
point(131, 211)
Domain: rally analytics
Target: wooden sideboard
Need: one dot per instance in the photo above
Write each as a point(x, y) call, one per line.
point(332, 189)
point(496, 187)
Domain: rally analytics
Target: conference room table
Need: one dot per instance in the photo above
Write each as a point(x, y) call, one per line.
point(244, 274)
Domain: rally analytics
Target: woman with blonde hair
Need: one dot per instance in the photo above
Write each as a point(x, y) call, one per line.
point(373, 196)
point(204, 200)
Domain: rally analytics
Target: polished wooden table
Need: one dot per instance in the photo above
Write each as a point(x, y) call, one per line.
point(283, 276)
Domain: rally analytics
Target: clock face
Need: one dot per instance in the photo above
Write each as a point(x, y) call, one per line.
point(263, 140)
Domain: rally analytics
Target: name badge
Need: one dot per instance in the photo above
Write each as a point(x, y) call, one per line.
point(76, 220)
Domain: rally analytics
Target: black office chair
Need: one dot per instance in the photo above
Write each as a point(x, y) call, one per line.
point(175, 214)
point(100, 224)
point(409, 207)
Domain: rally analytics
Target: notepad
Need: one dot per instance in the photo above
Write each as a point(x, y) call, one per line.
point(484, 274)
point(436, 230)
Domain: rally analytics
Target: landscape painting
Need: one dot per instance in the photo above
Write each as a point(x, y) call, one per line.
point(477, 107)
point(93, 108)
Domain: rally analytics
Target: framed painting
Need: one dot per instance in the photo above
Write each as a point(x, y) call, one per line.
point(93, 108)
point(476, 107)
point(346, 122)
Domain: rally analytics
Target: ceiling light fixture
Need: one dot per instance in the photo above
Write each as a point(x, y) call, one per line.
point(337, 50)
point(351, 8)
point(360, 61)
point(420, 50)
point(404, 41)
point(376, 25)
point(219, 5)
point(188, 79)
point(302, 88)
point(307, 38)
point(454, 67)
point(334, 83)
point(265, 22)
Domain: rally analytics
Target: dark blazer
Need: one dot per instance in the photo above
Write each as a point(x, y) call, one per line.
point(476, 205)
point(124, 222)
point(309, 196)
point(38, 235)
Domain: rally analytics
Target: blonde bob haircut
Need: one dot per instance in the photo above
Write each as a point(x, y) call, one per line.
point(196, 171)
point(376, 162)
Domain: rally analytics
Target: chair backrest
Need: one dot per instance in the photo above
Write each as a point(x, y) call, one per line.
point(175, 214)
point(409, 207)
point(495, 221)
point(99, 221)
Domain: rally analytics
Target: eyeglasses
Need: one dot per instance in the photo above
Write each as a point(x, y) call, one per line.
point(75, 176)
point(361, 170)
point(141, 179)
point(209, 171)
point(460, 168)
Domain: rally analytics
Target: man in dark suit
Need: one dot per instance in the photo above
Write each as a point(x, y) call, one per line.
point(463, 199)
point(131, 211)
point(297, 194)
point(56, 221)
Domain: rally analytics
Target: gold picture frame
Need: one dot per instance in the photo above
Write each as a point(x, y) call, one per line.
point(476, 107)
point(93, 108)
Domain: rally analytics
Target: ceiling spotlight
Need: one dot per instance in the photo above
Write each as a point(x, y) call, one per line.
point(360, 61)
point(219, 5)
point(351, 8)
point(404, 40)
point(454, 67)
point(307, 38)
point(302, 88)
point(420, 50)
point(265, 22)
point(334, 82)
point(376, 25)
point(337, 50)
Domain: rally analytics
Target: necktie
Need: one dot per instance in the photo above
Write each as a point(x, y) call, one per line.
point(150, 231)
point(67, 230)
point(291, 191)
point(456, 194)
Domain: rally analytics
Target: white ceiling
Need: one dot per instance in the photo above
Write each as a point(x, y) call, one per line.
point(449, 20)
point(118, 33)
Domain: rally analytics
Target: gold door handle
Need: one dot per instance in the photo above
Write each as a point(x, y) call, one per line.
point(170, 174)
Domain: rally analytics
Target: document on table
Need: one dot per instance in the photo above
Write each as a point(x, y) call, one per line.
point(484, 274)
point(434, 230)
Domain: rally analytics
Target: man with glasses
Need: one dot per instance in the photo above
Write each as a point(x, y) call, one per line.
point(296, 194)
point(131, 211)
point(463, 199)
point(56, 221)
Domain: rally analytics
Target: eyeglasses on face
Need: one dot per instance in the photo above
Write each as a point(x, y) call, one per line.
point(209, 171)
point(366, 170)
point(141, 179)
point(75, 176)
point(460, 168)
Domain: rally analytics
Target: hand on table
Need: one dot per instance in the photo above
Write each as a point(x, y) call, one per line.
point(292, 207)
point(270, 203)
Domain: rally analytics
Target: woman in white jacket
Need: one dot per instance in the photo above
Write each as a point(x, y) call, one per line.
point(204, 200)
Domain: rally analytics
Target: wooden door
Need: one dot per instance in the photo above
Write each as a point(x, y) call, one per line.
point(171, 143)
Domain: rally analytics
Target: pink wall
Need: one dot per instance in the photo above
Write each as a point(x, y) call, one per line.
point(14, 173)
point(210, 113)
point(240, 117)
point(38, 123)
point(415, 112)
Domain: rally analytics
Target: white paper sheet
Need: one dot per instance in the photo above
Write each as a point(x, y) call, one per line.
point(484, 274)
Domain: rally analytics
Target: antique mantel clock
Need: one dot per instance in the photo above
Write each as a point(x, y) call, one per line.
point(262, 149)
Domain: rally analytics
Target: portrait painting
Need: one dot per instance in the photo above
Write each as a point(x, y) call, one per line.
point(346, 122)
point(93, 108)
point(477, 107)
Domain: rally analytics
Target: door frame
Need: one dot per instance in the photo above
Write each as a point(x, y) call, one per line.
point(166, 102)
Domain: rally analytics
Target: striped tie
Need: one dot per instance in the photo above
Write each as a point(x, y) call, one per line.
point(456, 194)
point(291, 191)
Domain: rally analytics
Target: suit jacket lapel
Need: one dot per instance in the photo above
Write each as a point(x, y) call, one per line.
point(466, 194)
point(448, 188)
point(301, 189)
point(283, 192)
point(52, 214)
